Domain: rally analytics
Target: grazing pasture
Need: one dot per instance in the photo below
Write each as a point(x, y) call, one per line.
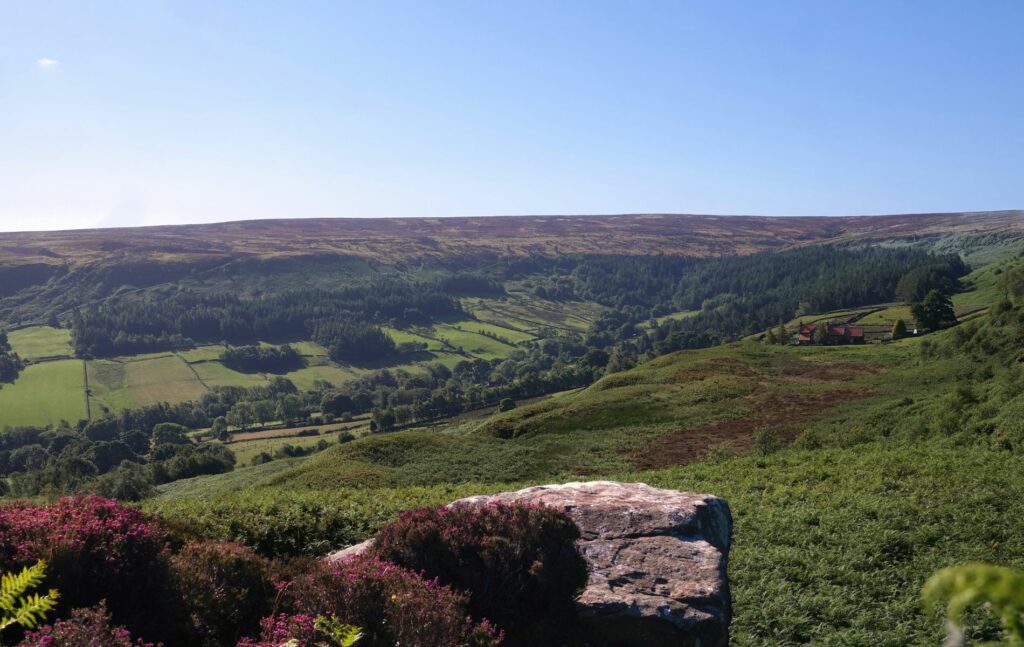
point(41, 341)
point(529, 313)
point(513, 335)
point(305, 377)
point(45, 393)
point(209, 353)
point(471, 343)
point(216, 374)
point(245, 451)
point(108, 386)
point(888, 316)
point(405, 336)
point(162, 379)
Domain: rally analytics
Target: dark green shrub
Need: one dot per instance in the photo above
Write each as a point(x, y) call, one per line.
point(519, 564)
point(766, 441)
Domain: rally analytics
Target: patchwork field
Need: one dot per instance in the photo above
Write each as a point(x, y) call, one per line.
point(528, 313)
point(45, 394)
point(512, 335)
point(127, 382)
point(216, 374)
point(162, 379)
point(405, 337)
point(471, 343)
point(108, 386)
point(41, 341)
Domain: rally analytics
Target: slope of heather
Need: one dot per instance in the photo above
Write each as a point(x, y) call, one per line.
point(392, 240)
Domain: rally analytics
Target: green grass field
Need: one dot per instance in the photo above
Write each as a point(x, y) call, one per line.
point(305, 377)
point(45, 394)
point(888, 316)
point(127, 382)
point(529, 313)
point(41, 341)
point(208, 353)
point(162, 379)
point(982, 287)
point(309, 349)
point(471, 343)
point(216, 374)
point(513, 335)
point(404, 337)
point(108, 386)
point(245, 451)
point(238, 479)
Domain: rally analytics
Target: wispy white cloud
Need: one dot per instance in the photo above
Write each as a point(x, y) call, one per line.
point(47, 63)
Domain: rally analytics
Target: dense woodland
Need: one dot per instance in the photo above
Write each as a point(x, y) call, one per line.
point(262, 359)
point(135, 324)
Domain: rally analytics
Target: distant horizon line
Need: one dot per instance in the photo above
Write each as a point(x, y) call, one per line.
point(637, 214)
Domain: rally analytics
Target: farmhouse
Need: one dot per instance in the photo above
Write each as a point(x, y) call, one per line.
point(807, 334)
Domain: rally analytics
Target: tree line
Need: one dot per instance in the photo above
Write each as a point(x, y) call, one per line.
point(10, 363)
point(343, 318)
point(262, 359)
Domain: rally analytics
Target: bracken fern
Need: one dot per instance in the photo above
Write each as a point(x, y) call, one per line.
point(972, 585)
point(19, 607)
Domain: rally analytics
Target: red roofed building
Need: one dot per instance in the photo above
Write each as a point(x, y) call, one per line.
point(834, 334)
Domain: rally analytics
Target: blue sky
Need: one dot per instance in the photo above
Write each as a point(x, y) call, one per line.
point(145, 112)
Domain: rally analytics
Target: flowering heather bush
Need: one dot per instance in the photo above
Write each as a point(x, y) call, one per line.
point(519, 564)
point(85, 628)
point(391, 605)
point(282, 628)
point(95, 549)
point(225, 588)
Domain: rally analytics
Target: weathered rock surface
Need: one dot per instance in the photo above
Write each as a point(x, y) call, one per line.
point(657, 560)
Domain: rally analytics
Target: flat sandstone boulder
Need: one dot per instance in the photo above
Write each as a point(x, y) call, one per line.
point(657, 560)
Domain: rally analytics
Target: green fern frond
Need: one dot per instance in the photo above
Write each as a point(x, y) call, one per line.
point(13, 585)
point(341, 635)
point(980, 585)
point(19, 607)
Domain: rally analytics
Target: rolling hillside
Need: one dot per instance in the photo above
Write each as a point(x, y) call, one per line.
point(903, 458)
point(394, 240)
